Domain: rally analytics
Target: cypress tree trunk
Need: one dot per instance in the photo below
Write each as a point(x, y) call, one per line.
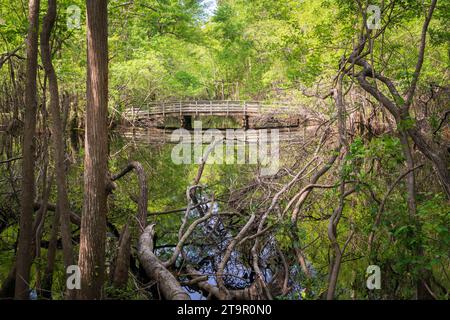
point(28, 149)
point(93, 222)
point(58, 135)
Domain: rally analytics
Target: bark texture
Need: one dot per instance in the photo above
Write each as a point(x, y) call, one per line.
point(23, 264)
point(57, 136)
point(93, 221)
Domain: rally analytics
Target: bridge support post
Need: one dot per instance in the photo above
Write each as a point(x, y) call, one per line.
point(186, 122)
point(245, 122)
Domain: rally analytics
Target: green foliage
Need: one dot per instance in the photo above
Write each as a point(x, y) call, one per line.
point(265, 50)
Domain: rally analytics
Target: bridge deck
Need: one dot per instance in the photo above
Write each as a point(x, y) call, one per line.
point(219, 108)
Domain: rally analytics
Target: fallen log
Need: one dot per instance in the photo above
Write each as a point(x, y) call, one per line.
point(253, 292)
point(168, 285)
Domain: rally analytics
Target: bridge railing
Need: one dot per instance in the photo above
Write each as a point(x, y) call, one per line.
point(209, 107)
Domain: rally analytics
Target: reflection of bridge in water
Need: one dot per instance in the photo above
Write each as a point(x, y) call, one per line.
point(252, 114)
point(163, 136)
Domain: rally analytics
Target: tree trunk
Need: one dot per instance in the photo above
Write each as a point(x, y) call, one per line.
point(122, 261)
point(336, 259)
point(57, 136)
point(143, 191)
point(47, 279)
point(26, 217)
point(8, 286)
point(93, 221)
point(423, 277)
point(439, 158)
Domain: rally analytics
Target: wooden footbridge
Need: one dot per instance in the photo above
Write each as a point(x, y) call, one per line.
point(186, 110)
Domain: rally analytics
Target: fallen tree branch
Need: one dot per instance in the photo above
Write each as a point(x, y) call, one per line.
point(10, 160)
point(253, 292)
point(76, 219)
point(186, 235)
point(167, 283)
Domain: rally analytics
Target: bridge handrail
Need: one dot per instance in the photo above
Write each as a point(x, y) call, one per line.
point(211, 106)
